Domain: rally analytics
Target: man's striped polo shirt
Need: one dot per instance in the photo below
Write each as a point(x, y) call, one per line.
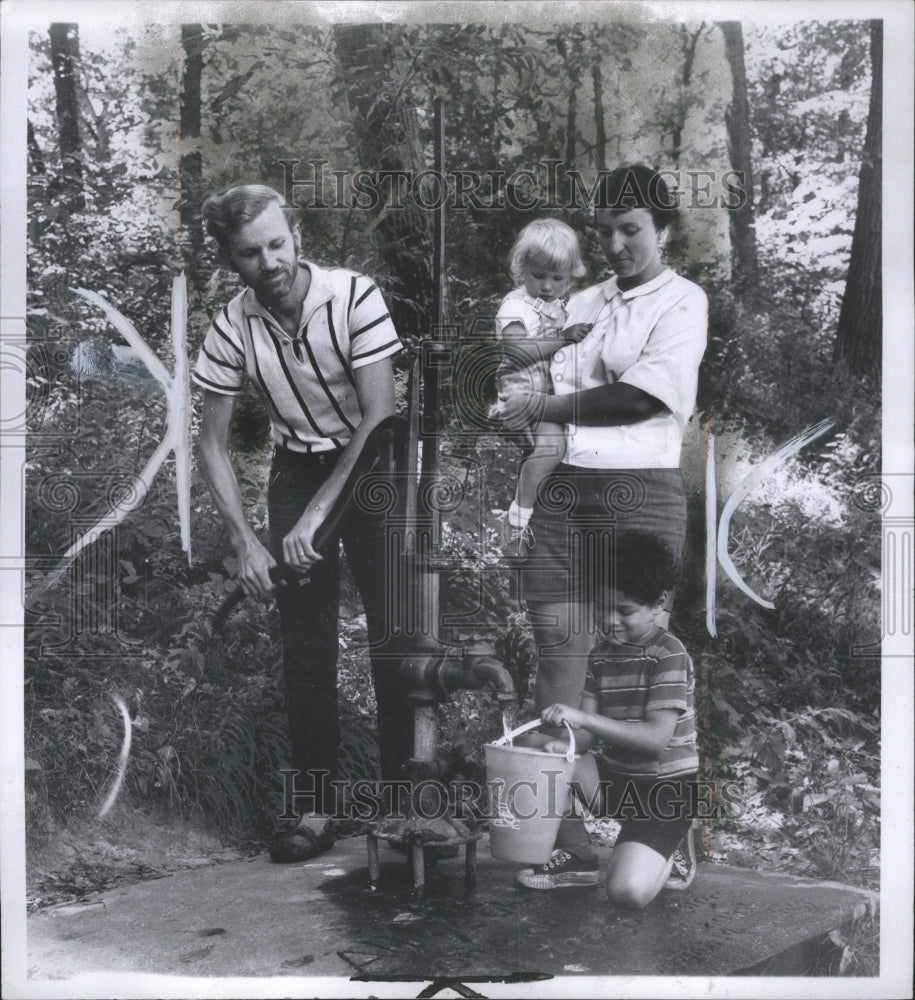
point(630, 681)
point(307, 381)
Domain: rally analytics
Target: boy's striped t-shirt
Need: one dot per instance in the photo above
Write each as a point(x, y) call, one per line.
point(630, 681)
point(306, 381)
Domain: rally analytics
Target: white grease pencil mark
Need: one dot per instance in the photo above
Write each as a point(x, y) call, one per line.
point(122, 763)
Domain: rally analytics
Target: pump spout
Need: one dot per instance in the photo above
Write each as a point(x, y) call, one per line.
point(489, 673)
point(430, 678)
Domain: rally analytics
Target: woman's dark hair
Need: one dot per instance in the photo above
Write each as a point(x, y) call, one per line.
point(225, 213)
point(637, 186)
point(644, 567)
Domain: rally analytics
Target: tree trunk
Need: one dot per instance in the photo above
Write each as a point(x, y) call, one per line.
point(190, 167)
point(65, 62)
point(571, 123)
point(496, 112)
point(570, 49)
point(745, 264)
point(860, 330)
point(37, 157)
point(388, 141)
point(600, 141)
point(689, 40)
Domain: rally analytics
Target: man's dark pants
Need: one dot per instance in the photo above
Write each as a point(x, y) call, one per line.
point(309, 622)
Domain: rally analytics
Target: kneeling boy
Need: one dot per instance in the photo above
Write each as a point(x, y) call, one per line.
point(637, 720)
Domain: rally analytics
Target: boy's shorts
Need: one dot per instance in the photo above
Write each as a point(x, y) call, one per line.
point(655, 812)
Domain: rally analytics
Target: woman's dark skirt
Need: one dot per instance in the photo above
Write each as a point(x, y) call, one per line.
point(580, 511)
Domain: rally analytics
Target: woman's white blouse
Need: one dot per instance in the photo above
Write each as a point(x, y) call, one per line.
point(652, 337)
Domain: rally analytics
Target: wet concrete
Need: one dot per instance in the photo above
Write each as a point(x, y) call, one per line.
point(254, 918)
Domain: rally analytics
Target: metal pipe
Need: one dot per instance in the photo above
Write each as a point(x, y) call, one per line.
point(425, 732)
point(490, 672)
point(427, 679)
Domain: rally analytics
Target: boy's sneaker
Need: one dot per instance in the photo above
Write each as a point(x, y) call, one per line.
point(683, 870)
point(563, 869)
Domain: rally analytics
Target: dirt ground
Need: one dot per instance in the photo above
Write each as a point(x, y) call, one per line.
point(128, 846)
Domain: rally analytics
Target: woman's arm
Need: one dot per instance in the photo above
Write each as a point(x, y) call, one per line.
point(604, 406)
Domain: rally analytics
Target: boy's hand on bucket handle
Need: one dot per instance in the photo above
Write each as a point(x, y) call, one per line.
point(557, 714)
point(556, 746)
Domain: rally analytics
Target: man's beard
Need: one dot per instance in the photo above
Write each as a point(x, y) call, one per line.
point(276, 286)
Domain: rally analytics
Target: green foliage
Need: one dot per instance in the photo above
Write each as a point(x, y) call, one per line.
point(789, 703)
point(208, 738)
point(808, 85)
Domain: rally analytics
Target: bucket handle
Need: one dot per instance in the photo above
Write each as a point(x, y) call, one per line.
point(508, 738)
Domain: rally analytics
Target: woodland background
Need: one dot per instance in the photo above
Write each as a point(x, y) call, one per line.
point(128, 131)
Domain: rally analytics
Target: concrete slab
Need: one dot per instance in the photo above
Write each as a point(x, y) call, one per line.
point(254, 918)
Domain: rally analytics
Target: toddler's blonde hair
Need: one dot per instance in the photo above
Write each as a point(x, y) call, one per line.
point(547, 242)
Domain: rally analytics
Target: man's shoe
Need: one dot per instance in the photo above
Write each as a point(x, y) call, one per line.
point(300, 844)
point(562, 870)
point(683, 870)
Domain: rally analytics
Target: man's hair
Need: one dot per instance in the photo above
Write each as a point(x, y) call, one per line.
point(644, 567)
point(225, 213)
point(549, 243)
point(637, 186)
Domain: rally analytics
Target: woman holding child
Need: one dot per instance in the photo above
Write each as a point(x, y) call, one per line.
point(623, 391)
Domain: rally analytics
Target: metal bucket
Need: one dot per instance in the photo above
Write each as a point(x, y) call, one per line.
point(529, 793)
